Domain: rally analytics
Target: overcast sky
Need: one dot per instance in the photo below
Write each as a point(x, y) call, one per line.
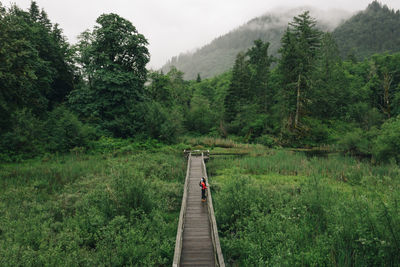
point(175, 26)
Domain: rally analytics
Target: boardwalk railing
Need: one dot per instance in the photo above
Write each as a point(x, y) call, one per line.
point(178, 242)
point(219, 258)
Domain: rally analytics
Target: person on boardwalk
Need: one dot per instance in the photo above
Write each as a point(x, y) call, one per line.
point(203, 185)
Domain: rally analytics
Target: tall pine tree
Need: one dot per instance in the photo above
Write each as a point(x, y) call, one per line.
point(239, 88)
point(300, 45)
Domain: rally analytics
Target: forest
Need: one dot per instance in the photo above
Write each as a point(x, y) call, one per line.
point(365, 33)
point(56, 96)
point(91, 141)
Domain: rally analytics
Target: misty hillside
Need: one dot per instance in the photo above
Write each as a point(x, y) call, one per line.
point(219, 56)
point(374, 30)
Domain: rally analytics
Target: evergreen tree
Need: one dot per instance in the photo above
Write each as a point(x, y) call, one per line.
point(35, 65)
point(300, 45)
point(329, 92)
point(259, 64)
point(159, 88)
point(239, 89)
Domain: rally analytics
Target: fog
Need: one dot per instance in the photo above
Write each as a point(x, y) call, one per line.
point(176, 26)
point(281, 17)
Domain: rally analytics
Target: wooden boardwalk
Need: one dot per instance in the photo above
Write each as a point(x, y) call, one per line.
point(197, 241)
point(197, 246)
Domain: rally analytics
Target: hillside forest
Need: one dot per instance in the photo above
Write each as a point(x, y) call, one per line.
point(367, 32)
point(56, 96)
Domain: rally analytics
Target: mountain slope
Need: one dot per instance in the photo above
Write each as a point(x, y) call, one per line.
point(374, 30)
point(219, 56)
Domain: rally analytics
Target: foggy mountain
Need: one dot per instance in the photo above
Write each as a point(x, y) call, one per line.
point(219, 55)
point(374, 30)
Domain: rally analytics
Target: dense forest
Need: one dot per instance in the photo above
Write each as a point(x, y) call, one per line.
point(56, 97)
point(374, 30)
point(91, 145)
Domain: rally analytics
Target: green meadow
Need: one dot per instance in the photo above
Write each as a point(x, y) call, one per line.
point(91, 210)
point(283, 208)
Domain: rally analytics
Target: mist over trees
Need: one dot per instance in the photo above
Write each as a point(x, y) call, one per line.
point(374, 30)
point(56, 96)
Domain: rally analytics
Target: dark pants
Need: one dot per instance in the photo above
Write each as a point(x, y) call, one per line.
point(203, 194)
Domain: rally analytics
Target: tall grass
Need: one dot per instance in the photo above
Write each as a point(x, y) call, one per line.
point(210, 142)
point(91, 210)
point(288, 209)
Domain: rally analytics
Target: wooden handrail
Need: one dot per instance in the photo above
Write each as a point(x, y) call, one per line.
point(219, 258)
point(179, 233)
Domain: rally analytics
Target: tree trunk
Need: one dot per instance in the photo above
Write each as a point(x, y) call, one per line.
point(296, 119)
point(387, 81)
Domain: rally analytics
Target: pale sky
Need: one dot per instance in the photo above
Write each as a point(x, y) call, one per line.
point(176, 26)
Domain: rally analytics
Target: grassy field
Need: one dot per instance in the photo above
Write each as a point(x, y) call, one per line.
point(118, 204)
point(281, 208)
point(91, 210)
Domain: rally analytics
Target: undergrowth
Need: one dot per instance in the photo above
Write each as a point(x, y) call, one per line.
point(285, 209)
point(91, 210)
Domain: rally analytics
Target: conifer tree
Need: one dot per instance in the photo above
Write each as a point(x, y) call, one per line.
point(238, 91)
point(300, 45)
point(259, 64)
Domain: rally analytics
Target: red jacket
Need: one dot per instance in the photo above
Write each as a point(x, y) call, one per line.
point(203, 185)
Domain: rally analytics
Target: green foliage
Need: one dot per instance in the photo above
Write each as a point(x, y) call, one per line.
point(117, 146)
point(374, 30)
point(161, 123)
point(113, 57)
point(285, 208)
point(249, 95)
point(25, 138)
point(311, 97)
point(97, 210)
point(266, 140)
point(300, 47)
point(65, 131)
point(30, 136)
point(201, 118)
point(387, 144)
point(358, 142)
point(35, 64)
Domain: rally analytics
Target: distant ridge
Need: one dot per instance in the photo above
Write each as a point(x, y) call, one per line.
point(219, 55)
point(374, 30)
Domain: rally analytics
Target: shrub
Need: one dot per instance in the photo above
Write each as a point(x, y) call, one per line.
point(358, 142)
point(65, 131)
point(266, 140)
point(161, 123)
point(25, 139)
point(387, 144)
